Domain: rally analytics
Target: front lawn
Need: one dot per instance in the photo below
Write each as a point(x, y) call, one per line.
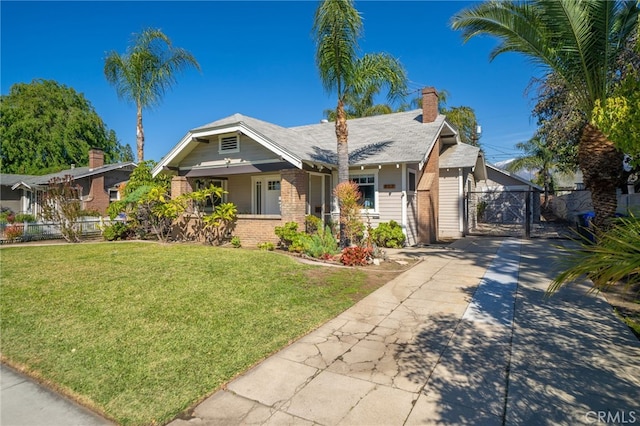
point(142, 331)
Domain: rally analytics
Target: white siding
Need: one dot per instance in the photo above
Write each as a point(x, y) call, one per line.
point(449, 210)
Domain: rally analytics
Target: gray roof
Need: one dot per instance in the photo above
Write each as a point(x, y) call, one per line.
point(461, 155)
point(76, 172)
point(399, 137)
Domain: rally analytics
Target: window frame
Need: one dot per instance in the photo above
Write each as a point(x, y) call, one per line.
point(376, 201)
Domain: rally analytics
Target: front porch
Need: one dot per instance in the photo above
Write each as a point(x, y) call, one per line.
point(267, 200)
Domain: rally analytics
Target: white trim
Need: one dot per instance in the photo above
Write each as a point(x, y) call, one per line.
point(374, 172)
point(188, 139)
point(404, 200)
point(461, 201)
point(264, 179)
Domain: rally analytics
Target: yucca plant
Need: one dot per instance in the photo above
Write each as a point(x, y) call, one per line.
point(613, 259)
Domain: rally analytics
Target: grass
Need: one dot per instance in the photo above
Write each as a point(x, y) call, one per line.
point(141, 332)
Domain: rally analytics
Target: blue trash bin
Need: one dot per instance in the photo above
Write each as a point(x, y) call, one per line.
point(584, 226)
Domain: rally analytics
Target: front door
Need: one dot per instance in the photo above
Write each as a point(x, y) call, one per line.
point(272, 197)
point(266, 194)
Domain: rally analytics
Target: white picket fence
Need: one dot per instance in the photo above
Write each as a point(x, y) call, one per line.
point(24, 232)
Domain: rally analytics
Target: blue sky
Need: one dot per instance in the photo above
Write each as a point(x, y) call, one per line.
point(257, 59)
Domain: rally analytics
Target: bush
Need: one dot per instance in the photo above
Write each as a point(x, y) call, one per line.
point(287, 233)
point(267, 245)
point(13, 231)
point(117, 231)
point(356, 256)
point(321, 244)
point(312, 224)
point(235, 242)
point(388, 234)
point(24, 217)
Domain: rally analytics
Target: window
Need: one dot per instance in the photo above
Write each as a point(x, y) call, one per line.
point(227, 144)
point(273, 185)
point(114, 195)
point(367, 184)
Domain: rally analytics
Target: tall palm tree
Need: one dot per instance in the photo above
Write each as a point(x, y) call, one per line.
point(336, 28)
point(579, 40)
point(146, 72)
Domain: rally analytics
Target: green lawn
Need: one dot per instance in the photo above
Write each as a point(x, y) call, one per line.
point(142, 331)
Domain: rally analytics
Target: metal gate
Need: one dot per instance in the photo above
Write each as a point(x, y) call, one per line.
point(509, 214)
point(498, 212)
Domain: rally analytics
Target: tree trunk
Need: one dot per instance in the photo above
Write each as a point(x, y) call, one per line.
point(140, 135)
point(343, 159)
point(601, 165)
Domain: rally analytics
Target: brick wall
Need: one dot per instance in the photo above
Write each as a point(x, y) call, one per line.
point(253, 230)
point(294, 188)
point(98, 198)
point(428, 196)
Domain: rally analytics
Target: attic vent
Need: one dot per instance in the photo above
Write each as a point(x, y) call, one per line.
point(228, 144)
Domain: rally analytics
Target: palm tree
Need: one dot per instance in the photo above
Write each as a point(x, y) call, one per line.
point(538, 156)
point(579, 40)
point(145, 72)
point(336, 28)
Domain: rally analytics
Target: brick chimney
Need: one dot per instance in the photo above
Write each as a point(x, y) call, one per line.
point(96, 158)
point(429, 104)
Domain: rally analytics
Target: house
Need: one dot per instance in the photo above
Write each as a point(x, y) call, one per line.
point(99, 182)
point(275, 174)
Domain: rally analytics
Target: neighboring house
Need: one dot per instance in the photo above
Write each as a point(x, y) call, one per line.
point(508, 192)
point(275, 175)
point(99, 182)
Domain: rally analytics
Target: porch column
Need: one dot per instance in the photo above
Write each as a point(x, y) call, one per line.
point(294, 188)
point(180, 185)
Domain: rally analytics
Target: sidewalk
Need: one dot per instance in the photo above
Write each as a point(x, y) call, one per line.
point(464, 337)
point(24, 402)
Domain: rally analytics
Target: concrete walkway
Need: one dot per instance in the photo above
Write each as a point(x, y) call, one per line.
point(464, 337)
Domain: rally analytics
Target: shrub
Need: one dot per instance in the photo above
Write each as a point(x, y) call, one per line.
point(321, 244)
point(25, 217)
point(356, 256)
point(287, 234)
point(388, 234)
point(267, 245)
point(117, 231)
point(235, 242)
point(312, 224)
point(352, 228)
point(13, 231)
point(5, 212)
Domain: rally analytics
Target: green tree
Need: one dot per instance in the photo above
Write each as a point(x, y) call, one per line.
point(464, 118)
point(46, 126)
point(337, 26)
point(579, 41)
point(146, 72)
point(538, 156)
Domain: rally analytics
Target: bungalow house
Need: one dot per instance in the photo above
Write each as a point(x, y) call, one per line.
point(410, 167)
point(99, 182)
